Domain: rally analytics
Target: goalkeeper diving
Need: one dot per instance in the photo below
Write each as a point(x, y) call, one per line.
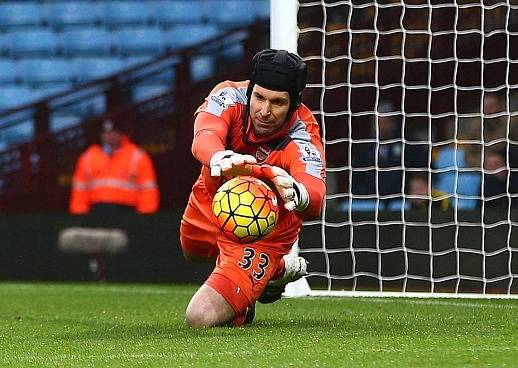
point(256, 127)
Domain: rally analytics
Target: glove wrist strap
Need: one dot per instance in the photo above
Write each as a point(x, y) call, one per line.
point(302, 194)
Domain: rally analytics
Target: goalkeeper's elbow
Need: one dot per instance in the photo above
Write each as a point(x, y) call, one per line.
point(316, 191)
point(310, 213)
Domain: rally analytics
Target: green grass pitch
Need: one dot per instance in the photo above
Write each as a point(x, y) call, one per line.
point(120, 325)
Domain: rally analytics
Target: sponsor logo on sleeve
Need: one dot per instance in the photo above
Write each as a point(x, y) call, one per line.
point(219, 102)
point(311, 155)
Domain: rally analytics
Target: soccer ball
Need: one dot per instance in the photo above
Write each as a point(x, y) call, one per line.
point(245, 209)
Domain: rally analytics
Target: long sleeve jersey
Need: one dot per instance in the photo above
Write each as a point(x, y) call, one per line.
point(296, 147)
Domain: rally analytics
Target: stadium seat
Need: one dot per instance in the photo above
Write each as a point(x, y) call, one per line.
point(468, 185)
point(261, 9)
point(457, 182)
point(155, 76)
point(14, 96)
point(132, 61)
point(8, 71)
point(86, 69)
point(146, 91)
point(62, 121)
point(86, 41)
point(86, 103)
point(139, 41)
point(233, 52)
point(171, 13)
point(19, 133)
point(4, 45)
point(118, 13)
point(399, 205)
point(95, 105)
point(202, 67)
point(19, 14)
point(361, 205)
point(179, 37)
point(64, 14)
point(43, 71)
point(50, 89)
point(232, 12)
point(34, 42)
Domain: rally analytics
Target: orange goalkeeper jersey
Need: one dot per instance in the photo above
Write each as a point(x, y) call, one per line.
point(296, 147)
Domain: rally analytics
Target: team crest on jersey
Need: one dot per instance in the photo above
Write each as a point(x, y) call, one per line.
point(262, 153)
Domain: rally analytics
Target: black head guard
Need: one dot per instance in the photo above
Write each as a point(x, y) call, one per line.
point(279, 70)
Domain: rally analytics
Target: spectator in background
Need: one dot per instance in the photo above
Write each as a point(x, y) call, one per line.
point(115, 175)
point(489, 129)
point(495, 178)
point(460, 165)
point(378, 166)
point(457, 174)
point(495, 119)
point(420, 196)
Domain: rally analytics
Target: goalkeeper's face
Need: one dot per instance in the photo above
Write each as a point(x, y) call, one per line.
point(268, 110)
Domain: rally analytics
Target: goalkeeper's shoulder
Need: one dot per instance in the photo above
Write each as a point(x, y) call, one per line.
point(310, 122)
point(224, 95)
point(306, 115)
point(229, 85)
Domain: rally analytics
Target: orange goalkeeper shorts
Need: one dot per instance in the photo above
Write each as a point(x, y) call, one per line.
point(242, 270)
point(198, 234)
point(248, 267)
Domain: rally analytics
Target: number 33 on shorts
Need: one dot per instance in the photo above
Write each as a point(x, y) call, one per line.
point(247, 262)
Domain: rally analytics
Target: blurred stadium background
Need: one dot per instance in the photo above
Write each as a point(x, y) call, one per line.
point(67, 65)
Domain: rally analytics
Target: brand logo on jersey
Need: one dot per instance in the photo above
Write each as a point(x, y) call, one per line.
point(310, 154)
point(262, 153)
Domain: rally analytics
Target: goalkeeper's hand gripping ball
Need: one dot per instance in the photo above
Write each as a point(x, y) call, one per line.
point(228, 163)
point(294, 194)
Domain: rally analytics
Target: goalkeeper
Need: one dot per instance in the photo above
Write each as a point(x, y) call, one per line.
point(258, 127)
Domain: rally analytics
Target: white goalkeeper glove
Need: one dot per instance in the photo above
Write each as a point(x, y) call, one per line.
point(222, 162)
point(293, 193)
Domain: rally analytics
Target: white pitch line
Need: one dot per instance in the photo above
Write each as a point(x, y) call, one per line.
point(409, 294)
point(464, 304)
point(438, 302)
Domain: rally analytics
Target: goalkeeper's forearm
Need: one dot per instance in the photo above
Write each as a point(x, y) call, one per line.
point(210, 133)
point(204, 145)
point(316, 189)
